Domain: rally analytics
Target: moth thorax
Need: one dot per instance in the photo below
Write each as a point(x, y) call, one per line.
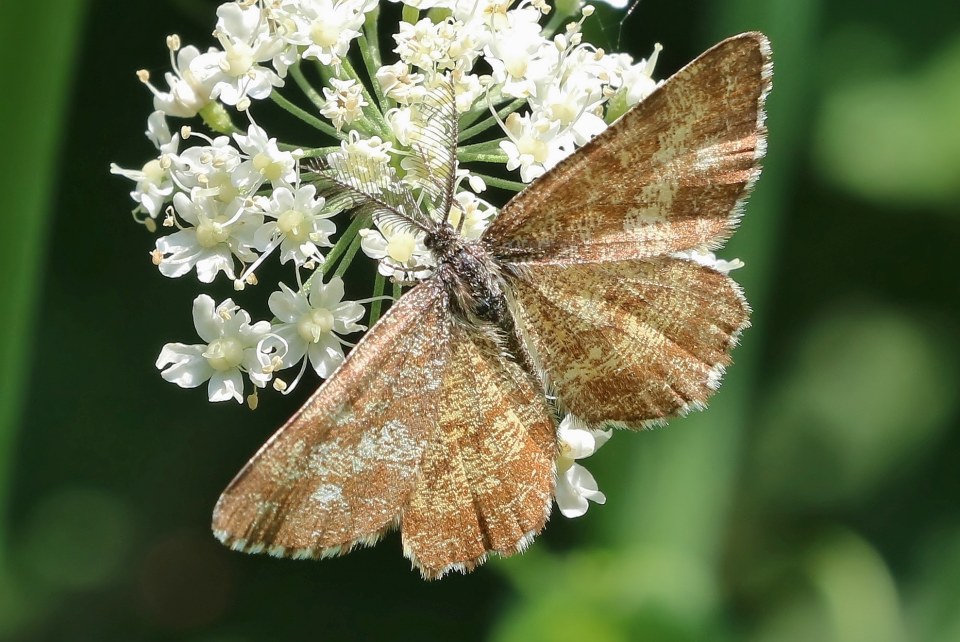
point(473, 283)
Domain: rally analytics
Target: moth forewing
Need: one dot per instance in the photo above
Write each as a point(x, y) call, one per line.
point(670, 175)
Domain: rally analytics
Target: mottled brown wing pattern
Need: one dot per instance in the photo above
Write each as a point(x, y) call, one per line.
point(486, 481)
point(339, 472)
point(430, 425)
point(426, 422)
point(629, 342)
point(674, 170)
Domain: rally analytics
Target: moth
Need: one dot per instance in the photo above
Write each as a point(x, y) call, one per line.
point(577, 299)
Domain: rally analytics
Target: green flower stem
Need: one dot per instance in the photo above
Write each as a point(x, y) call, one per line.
point(482, 107)
point(348, 256)
point(297, 74)
point(371, 31)
point(314, 152)
point(217, 118)
point(377, 304)
point(306, 116)
point(489, 122)
point(410, 14)
point(370, 50)
point(371, 111)
point(371, 62)
point(556, 20)
point(397, 291)
point(341, 246)
point(466, 156)
point(502, 183)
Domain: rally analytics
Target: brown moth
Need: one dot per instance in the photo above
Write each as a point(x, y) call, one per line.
point(442, 420)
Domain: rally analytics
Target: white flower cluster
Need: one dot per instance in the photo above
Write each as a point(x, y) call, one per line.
point(524, 86)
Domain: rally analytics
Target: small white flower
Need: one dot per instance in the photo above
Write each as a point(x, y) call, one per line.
point(365, 161)
point(520, 57)
point(344, 103)
point(210, 168)
point(400, 84)
point(216, 234)
point(265, 162)
point(436, 47)
point(573, 104)
point(535, 145)
point(428, 4)
point(575, 484)
point(467, 89)
point(470, 215)
point(188, 94)
point(236, 73)
point(229, 351)
point(309, 324)
point(325, 28)
point(300, 220)
point(400, 251)
point(155, 184)
point(636, 80)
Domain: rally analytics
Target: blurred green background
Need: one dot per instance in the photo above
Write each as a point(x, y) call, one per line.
point(817, 499)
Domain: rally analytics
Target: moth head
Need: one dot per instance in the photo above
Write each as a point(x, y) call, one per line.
point(443, 240)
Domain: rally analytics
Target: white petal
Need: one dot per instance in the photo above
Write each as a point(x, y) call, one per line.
point(574, 487)
point(296, 346)
point(251, 334)
point(286, 304)
point(226, 385)
point(328, 295)
point(600, 437)
point(325, 356)
point(181, 241)
point(208, 323)
point(569, 501)
point(211, 264)
point(580, 442)
point(184, 365)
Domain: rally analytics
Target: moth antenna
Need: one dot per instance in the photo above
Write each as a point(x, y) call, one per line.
point(367, 191)
point(436, 148)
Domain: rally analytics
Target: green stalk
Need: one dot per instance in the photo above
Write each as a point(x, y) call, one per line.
point(478, 157)
point(377, 304)
point(482, 107)
point(410, 14)
point(397, 291)
point(315, 97)
point(371, 111)
point(314, 152)
point(306, 117)
point(489, 122)
point(343, 243)
point(502, 183)
point(371, 31)
point(217, 118)
point(370, 63)
point(348, 256)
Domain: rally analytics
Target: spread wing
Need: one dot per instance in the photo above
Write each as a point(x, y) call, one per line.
point(487, 479)
point(669, 176)
point(625, 332)
point(339, 472)
point(629, 342)
point(426, 423)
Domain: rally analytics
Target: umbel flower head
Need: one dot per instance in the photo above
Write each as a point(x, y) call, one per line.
point(527, 90)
